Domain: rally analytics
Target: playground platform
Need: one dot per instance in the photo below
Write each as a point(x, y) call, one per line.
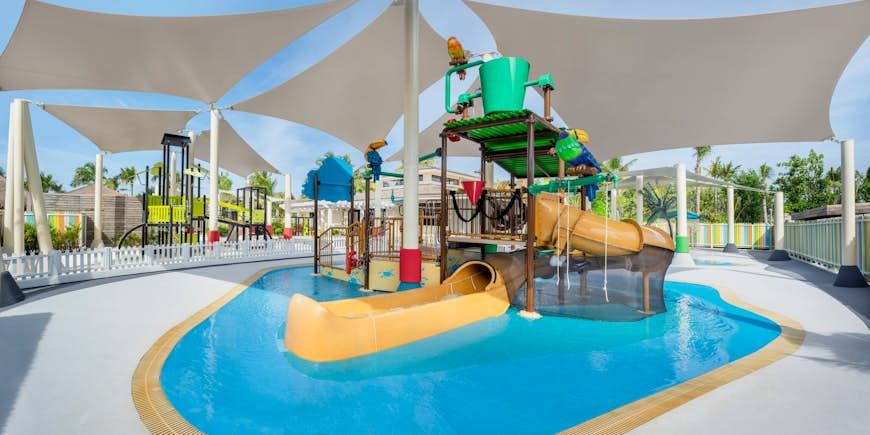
point(69, 352)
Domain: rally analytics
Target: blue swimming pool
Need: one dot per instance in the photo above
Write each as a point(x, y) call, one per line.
point(231, 373)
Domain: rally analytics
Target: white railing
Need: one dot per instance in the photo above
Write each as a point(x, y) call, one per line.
point(819, 241)
point(37, 269)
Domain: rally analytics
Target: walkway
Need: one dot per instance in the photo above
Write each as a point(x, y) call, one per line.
point(68, 355)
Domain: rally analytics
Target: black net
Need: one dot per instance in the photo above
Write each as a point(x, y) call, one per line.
point(576, 288)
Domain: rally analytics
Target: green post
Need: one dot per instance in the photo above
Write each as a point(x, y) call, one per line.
point(682, 243)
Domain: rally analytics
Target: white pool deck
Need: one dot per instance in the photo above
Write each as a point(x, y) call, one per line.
point(67, 355)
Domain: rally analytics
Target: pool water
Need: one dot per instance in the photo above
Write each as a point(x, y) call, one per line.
point(232, 374)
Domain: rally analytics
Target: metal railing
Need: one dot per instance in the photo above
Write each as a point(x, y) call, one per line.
point(819, 241)
point(56, 267)
point(337, 240)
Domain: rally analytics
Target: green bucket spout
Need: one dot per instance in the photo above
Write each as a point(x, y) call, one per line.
point(503, 84)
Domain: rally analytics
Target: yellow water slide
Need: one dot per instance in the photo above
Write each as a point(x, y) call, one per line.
point(561, 227)
point(331, 331)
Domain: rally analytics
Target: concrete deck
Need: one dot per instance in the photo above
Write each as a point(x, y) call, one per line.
point(68, 354)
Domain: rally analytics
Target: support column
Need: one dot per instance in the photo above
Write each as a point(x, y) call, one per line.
point(173, 174)
point(410, 256)
point(329, 218)
point(288, 226)
point(98, 202)
point(779, 252)
point(214, 167)
point(730, 247)
point(682, 257)
point(268, 213)
point(377, 202)
point(489, 174)
point(34, 180)
point(638, 200)
point(849, 274)
point(9, 194)
point(614, 204)
point(17, 187)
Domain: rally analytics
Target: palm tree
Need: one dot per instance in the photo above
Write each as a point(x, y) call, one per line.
point(128, 176)
point(722, 171)
point(700, 153)
point(49, 184)
point(764, 173)
point(617, 165)
point(86, 174)
point(262, 179)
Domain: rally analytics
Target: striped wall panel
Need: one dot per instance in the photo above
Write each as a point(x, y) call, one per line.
point(746, 235)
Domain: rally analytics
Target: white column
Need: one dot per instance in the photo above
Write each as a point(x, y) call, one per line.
point(638, 199)
point(18, 187)
point(31, 164)
point(268, 212)
point(287, 196)
point(9, 198)
point(98, 202)
point(849, 274)
point(173, 174)
point(377, 200)
point(214, 168)
point(329, 217)
point(779, 221)
point(614, 204)
point(730, 247)
point(410, 254)
point(489, 174)
point(682, 257)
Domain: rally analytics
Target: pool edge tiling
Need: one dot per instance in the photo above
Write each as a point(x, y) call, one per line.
point(159, 416)
point(155, 411)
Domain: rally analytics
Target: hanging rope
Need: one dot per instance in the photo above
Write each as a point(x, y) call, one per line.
point(501, 213)
point(567, 244)
point(477, 208)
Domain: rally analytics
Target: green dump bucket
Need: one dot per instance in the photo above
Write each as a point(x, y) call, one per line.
point(502, 83)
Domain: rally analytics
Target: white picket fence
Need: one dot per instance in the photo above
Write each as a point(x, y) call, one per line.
point(36, 270)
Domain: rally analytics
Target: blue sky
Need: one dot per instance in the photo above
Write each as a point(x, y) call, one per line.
point(294, 148)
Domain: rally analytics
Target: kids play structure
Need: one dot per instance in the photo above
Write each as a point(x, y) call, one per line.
point(620, 265)
point(177, 212)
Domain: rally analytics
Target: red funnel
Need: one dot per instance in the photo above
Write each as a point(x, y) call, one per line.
point(473, 189)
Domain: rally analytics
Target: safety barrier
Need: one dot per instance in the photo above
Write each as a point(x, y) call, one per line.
point(37, 269)
point(746, 235)
point(818, 241)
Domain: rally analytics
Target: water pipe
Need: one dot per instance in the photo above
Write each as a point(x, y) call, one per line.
point(447, 75)
point(555, 185)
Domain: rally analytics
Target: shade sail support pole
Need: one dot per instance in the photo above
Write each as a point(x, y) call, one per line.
point(98, 202)
point(849, 274)
point(730, 246)
point(34, 179)
point(410, 257)
point(638, 200)
point(779, 252)
point(214, 168)
point(682, 257)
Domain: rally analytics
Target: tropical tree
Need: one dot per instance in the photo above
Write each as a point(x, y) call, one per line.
point(748, 205)
point(617, 165)
point(699, 153)
point(224, 181)
point(262, 179)
point(328, 154)
point(49, 184)
point(803, 182)
point(2, 172)
point(86, 174)
point(127, 176)
point(764, 172)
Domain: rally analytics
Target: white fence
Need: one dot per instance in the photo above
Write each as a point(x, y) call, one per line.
point(35, 270)
point(819, 241)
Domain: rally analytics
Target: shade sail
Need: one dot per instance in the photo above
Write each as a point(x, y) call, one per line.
point(430, 141)
point(667, 176)
point(235, 154)
point(54, 47)
point(356, 93)
point(119, 130)
point(648, 85)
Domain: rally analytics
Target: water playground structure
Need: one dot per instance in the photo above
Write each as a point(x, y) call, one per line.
point(177, 211)
point(620, 264)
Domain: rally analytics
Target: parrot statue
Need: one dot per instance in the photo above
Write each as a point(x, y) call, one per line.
point(373, 157)
point(458, 56)
point(570, 147)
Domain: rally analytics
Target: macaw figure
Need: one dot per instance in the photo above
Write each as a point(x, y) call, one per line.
point(570, 147)
point(373, 157)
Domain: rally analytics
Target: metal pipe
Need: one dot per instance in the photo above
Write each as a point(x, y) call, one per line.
point(530, 219)
point(443, 218)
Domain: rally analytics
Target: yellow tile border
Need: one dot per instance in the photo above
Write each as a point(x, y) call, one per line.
point(160, 417)
point(154, 409)
point(634, 414)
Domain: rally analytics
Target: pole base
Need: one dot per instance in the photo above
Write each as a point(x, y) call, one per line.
point(730, 248)
point(850, 276)
point(779, 255)
point(410, 265)
point(10, 293)
point(531, 315)
point(214, 236)
point(288, 233)
point(683, 259)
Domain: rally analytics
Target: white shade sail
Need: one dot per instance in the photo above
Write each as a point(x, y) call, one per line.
point(54, 47)
point(430, 141)
point(667, 176)
point(116, 130)
point(236, 155)
point(648, 85)
point(356, 93)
